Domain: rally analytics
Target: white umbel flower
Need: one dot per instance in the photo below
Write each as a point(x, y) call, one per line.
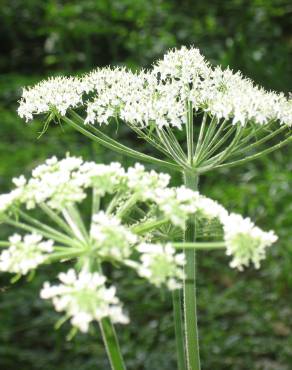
point(175, 210)
point(112, 239)
point(183, 64)
point(9, 199)
point(61, 183)
point(53, 95)
point(245, 242)
point(144, 183)
point(114, 91)
point(224, 94)
point(105, 179)
point(25, 253)
point(56, 183)
point(160, 264)
point(181, 203)
point(158, 96)
point(84, 298)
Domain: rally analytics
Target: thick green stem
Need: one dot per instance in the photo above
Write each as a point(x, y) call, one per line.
point(179, 331)
point(190, 305)
point(112, 345)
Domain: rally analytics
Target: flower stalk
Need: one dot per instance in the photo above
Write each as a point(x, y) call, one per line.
point(111, 344)
point(179, 329)
point(191, 181)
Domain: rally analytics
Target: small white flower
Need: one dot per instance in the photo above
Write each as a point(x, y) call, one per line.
point(9, 199)
point(144, 183)
point(84, 298)
point(25, 254)
point(111, 238)
point(161, 265)
point(245, 242)
point(59, 93)
point(103, 178)
point(56, 183)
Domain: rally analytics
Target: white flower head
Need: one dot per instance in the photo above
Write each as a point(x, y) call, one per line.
point(55, 94)
point(144, 182)
point(161, 265)
point(56, 183)
point(61, 183)
point(112, 239)
point(171, 206)
point(245, 242)
point(182, 64)
point(84, 298)
point(25, 253)
point(158, 96)
point(9, 199)
point(209, 208)
point(103, 178)
point(181, 203)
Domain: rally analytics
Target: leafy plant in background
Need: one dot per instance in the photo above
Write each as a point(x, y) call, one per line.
point(224, 117)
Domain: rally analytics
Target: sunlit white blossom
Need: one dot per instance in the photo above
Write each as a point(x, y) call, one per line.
point(84, 298)
point(158, 96)
point(181, 203)
point(25, 253)
point(55, 94)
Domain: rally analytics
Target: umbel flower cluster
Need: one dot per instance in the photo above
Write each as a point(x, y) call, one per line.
point(224, 118)
point(135, 220)
point(159, 95)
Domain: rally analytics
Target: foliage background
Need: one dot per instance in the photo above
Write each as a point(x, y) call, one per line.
point(245, 318)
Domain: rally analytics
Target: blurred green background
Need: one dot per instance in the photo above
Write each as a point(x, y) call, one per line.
point(245, 318)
